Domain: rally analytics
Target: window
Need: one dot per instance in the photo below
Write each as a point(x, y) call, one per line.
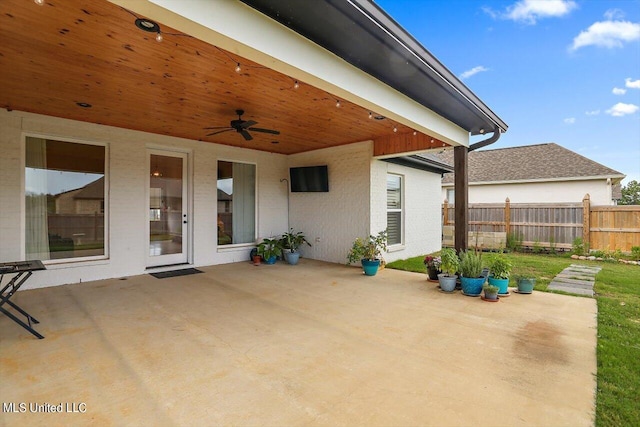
point(64, 199)
point(236, 203)
point(451, 196)
point(394, 209)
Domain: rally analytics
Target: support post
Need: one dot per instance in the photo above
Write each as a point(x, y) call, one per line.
point(461, 186)
point(445, 212)
point(586, 221)
point(507, 215)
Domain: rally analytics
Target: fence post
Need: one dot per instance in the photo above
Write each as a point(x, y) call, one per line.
point(445, 212)
point(586, 223)
point(507, 215)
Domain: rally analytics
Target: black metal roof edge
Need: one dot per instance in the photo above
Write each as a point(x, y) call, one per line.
point(416, 162)
point(382, 18)
point(374, 22)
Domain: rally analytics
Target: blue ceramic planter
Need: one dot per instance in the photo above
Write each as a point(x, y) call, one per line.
point(271, 260)
point(292, 257)
point(472, 285)
point(370, 267)
point(525, 286)
point(502, 284)
point(447, 283)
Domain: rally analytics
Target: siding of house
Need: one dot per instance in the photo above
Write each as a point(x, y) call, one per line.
point(128, 243)
point(422, 220)
point(540, 192)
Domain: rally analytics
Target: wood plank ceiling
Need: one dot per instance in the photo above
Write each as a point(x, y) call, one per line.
point(66, 52)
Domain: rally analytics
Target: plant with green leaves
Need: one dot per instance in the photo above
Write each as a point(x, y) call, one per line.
point(291, 241)
point(500, 267)
point(449, 261)
point(490, 289)
point(635, 252)
point(370, 248)
point(269, 248)
point(471, 263)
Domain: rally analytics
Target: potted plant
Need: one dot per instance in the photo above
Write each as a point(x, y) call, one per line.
point(490, 292)
point(270, 250)
point(500, 269)
point(449, 265)
point(291, 241)
point(432, 263)
point(368, 251)
point(471, 272)
point(525, 284)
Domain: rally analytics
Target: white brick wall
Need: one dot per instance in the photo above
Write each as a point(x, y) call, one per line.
point(335, 218)
point(421, 209)
point(127, 170)
point(354, 206)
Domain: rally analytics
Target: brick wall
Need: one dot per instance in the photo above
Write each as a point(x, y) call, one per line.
point(127, 180)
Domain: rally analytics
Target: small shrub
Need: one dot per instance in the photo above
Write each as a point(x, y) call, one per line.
point(450, 261)
point(500, 267)
point(635, 252)
point(579, 246)
point(514, 242)
point(471, 263)
point(537, 248)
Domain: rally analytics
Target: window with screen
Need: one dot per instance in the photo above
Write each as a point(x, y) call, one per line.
point(394, 209)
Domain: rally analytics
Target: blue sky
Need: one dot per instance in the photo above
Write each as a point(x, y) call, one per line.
point(555, 70)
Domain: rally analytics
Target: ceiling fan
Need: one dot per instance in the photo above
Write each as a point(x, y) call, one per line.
point(242, 127)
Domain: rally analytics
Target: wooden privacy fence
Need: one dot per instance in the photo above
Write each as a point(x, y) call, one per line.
point(554, 225)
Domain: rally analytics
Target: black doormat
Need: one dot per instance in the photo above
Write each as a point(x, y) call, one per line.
point(176, 273)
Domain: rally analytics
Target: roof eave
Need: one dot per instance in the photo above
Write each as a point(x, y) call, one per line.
point(365, 22)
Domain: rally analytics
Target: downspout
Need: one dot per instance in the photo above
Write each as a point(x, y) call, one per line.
point(493, 138)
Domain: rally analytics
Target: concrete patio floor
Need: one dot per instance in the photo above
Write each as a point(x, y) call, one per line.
point(314, 344)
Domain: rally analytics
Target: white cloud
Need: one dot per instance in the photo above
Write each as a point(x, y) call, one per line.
point(614, 14)
point(609, 34)
point(622, 109)
point(570, 120)
point(632, 84)
point(618, 91)
point(471, 72)
point(530, 11)
point(592, 113)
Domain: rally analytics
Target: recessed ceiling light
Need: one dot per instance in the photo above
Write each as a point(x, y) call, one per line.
point(275, 142)
point(83, 104)
point(379, 117)
point(147, 25)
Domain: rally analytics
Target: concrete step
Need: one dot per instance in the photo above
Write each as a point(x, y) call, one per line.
point(556, 286)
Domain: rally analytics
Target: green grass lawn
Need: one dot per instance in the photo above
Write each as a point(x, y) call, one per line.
point(618, 297)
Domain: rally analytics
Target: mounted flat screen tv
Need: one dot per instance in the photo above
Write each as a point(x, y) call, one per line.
point(312, 179)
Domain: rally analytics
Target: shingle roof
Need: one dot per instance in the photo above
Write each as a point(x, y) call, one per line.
point(532, 162)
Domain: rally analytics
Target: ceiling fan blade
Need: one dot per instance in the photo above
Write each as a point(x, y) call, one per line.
point(220, 131)
point(248, 123)
point(217, 127)
point(274, 132)
point(247, 136)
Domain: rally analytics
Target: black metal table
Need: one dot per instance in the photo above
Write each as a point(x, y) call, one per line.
point(22, 270)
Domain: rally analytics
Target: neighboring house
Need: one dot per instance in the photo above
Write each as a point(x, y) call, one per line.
point(86, 93)
point(85, 200)
point(542, 173)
